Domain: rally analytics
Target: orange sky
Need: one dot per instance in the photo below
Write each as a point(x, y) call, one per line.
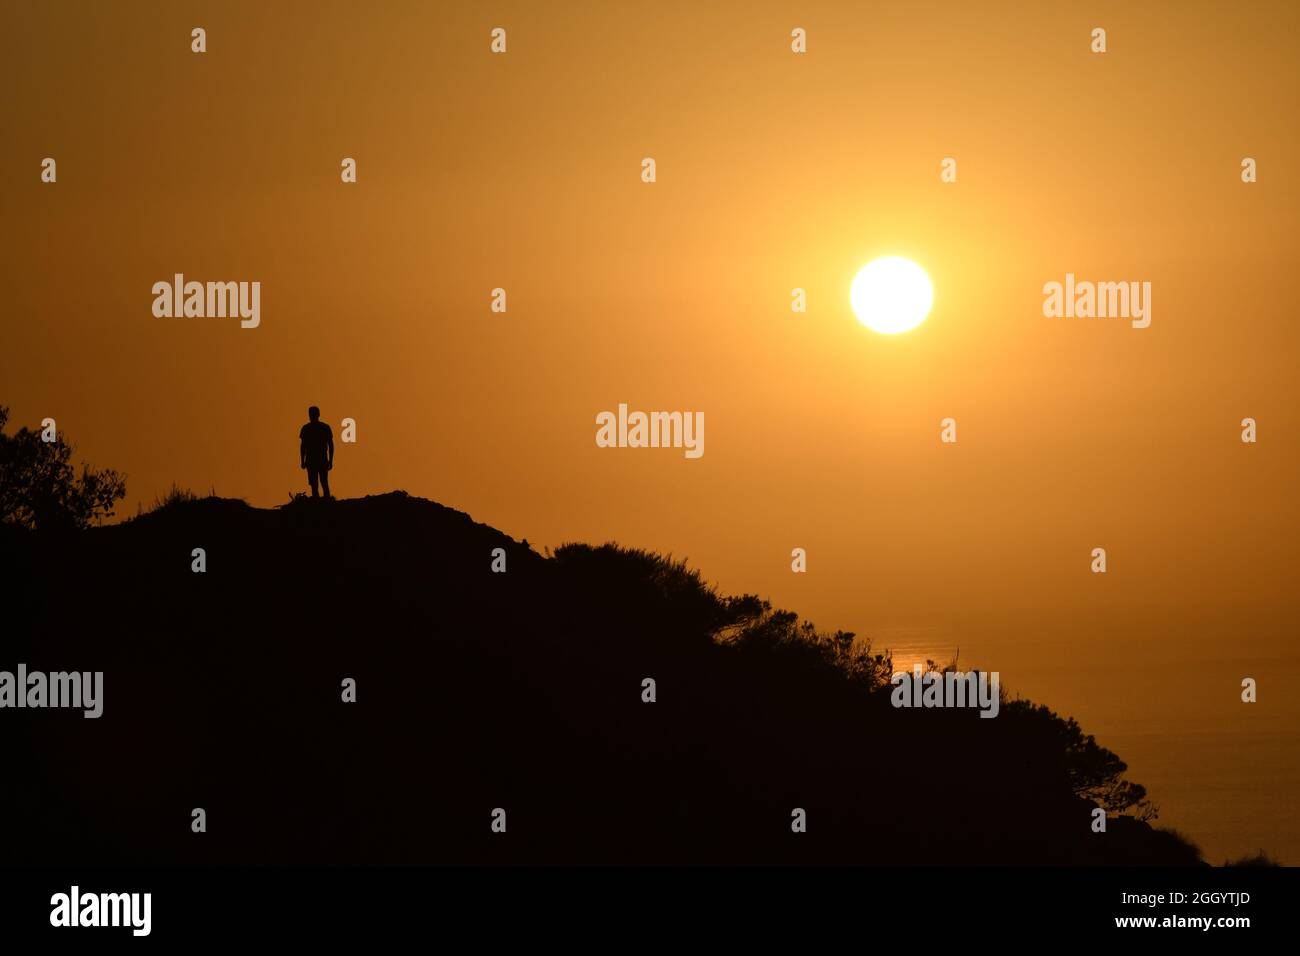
point(775, 171)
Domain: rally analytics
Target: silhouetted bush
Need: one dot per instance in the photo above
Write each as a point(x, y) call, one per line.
point(1258, 859)
point(173, 496)
point(40, 489)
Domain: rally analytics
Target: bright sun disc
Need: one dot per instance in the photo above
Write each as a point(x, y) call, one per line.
point(891, 295)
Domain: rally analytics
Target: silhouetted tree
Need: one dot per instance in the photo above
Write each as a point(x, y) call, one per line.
point(1094, 772)
point(39, 487)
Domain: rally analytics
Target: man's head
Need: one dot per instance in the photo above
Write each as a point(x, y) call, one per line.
point(313, 413)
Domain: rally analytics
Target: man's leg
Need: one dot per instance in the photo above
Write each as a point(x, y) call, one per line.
point(312, 477)
point(325, 482)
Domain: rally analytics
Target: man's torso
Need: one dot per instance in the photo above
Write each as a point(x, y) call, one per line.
point(315, 438)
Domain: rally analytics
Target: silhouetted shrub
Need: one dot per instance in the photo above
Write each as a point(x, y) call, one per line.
point(173, 496)
point(1258, 859)
point(40, 489)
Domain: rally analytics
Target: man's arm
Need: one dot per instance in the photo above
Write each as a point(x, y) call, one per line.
point(302, 449)
point(329, 441)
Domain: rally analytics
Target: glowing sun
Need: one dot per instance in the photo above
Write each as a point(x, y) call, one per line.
point(891, 295)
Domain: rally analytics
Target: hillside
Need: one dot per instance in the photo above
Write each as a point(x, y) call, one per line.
point(477, 690)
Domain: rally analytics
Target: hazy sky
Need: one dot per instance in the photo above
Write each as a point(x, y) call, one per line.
point(775, 171)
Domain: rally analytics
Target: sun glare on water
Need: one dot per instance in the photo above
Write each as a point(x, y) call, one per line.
point(891, 295)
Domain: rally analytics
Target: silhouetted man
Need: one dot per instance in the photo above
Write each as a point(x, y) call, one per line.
point(316, 448)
